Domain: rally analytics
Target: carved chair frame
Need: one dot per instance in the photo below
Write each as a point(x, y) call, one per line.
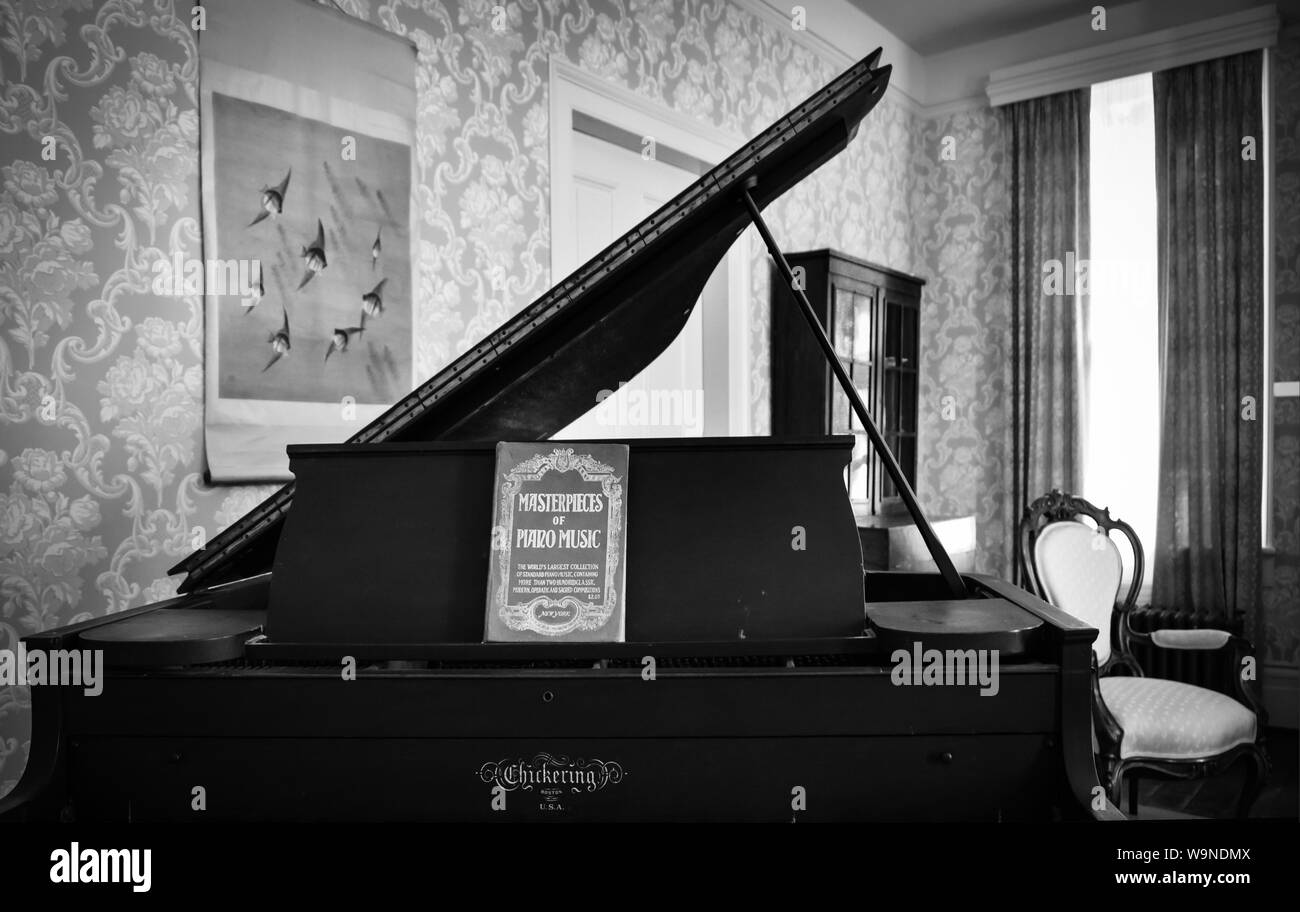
point(1057, 506)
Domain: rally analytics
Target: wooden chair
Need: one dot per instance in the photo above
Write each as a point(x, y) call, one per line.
point(1150, 725)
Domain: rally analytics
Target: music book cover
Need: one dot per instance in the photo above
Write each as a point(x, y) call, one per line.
point(559, 543)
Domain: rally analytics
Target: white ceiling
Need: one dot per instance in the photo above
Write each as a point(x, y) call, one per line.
point(935, 26)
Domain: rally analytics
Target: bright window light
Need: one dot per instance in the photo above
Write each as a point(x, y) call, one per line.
point(1121, 438)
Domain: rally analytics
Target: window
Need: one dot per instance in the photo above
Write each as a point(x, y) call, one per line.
point(1121, 438)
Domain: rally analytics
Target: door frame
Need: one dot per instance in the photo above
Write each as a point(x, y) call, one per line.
point(726, 353)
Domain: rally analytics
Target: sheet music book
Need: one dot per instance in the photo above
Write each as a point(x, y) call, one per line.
point(559, 543)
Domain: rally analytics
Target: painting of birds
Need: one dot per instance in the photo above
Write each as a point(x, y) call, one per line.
point(313, 255)
point(272, 200)
point(280, 342)
point(333, 252)
point(372, 302)
point(340, 338)
point(256, 293)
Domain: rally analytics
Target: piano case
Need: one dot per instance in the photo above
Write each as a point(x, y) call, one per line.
point(324, 660)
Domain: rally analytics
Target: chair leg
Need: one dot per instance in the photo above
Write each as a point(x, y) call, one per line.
point(1116, 786)
point(1256, 774)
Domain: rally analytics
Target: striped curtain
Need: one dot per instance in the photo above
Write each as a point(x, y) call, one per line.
point(1209, 183)
point(1049, 245)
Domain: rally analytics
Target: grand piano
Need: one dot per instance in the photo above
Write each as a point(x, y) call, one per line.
point(325, 658)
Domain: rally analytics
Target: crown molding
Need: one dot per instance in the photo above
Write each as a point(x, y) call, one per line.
point(910, 105)
point(956, 106)
point(1248, 30)
point(774, 17)
point(767, 11)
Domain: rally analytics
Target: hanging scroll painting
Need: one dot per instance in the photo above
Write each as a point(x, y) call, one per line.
point(307, 235)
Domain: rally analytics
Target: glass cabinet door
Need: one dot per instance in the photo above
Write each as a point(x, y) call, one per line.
point(855, 344)
point(875, 338)
point(900, 385)
point(872, 315)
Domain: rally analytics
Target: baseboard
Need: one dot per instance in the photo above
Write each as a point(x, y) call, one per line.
point(1281, 687)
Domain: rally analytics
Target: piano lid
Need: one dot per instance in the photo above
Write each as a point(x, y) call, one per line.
point(607, 321)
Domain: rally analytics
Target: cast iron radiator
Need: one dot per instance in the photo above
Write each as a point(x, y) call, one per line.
point(1204, 669)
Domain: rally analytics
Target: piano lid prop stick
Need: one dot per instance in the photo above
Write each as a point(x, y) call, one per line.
point(941, 559)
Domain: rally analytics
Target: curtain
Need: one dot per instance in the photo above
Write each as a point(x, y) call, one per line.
point(1049, 250)
point(1210, 225)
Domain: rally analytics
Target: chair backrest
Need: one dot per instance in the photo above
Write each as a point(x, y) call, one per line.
point(1076, 565)
point(1080, 569)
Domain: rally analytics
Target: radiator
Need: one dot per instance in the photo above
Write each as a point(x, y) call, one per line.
point(1205, 669)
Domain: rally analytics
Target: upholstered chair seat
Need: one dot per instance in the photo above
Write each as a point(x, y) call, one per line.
point(1170, 720)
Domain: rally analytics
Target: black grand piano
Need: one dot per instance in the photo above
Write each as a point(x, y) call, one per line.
point(325, 659)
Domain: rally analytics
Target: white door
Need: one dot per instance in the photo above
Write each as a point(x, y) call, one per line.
point(613, 190)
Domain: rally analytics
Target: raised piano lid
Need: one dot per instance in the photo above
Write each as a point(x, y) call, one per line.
point(604, 323)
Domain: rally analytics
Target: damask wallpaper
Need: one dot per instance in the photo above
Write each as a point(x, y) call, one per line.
point(961, 234)
point(101, 381)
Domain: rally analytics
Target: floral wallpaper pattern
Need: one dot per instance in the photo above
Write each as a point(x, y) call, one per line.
point(961, 234)
point(101, 485)
point(99, 381)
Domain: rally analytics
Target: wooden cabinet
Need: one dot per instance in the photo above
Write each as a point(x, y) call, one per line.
point(872, 315)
